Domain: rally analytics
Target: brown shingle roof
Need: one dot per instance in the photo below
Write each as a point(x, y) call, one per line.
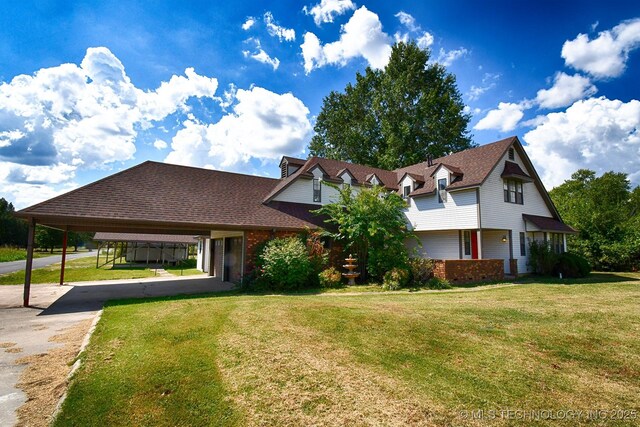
point(548, 224)
point(332, 168)
point(513, 170)
point(170, 197)
point(144, 238)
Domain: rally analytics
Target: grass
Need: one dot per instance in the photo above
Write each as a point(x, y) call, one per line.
point(419, 358)
point(77, 270)
point(16, 254)
point(187, 268)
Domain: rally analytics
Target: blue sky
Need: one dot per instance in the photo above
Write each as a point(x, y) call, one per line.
point(91, 88)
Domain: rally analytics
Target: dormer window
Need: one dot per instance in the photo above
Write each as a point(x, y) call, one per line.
point(406, 190)
point(317, 190)
point(442, 193)
point(513, 191)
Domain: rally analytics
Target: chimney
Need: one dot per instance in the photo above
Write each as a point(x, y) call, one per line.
point(429, 160)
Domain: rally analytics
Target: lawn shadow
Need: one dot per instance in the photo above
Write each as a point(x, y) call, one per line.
point(599, 277)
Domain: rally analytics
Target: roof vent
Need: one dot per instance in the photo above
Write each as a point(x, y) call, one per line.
point(429, 160)
point(284, 169)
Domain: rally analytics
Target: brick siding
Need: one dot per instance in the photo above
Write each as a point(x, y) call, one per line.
point(469, 270)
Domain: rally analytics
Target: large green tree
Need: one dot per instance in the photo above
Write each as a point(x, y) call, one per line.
point(394, 117)
point(606, 212)
point(13, 232)
point(371, 225)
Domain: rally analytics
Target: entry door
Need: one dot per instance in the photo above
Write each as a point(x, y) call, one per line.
point(233, 259)
point(218, 254)
point(474, 245)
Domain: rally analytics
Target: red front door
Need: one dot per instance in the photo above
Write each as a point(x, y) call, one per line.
point(474, 245)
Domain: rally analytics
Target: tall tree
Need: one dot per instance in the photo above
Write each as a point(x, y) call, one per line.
point(48, 238)
point(13, 232)
point(606, 214)
point(394, 117)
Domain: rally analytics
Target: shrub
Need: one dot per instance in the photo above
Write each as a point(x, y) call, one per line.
point(571, 265)
point(330, 278)
point(542, 259)
point(438, 283)
point(284, 264)
point(395, 279)
point(420, 271)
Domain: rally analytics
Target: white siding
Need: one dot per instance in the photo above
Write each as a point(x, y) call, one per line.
point(459, 211)
point(203, 253)
point(436, 245)
point(301, 191)
point(494, 248)
point(500, 215)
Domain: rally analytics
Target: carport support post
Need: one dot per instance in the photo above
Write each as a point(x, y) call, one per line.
point(64, 255)
point(29, 266)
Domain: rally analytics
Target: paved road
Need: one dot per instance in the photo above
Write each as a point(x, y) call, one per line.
point(10, 267)
point(55, 308)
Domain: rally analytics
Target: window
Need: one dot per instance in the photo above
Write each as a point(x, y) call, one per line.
point(512, 155)
point(557, 243)
point(523, 245)
point(442, 193)
point(513, 191)
point(467, 242)
point(317, 195)
point(405, 192)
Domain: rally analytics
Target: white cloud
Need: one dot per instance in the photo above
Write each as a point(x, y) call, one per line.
point(606, 55)
point(505, 118)
point(250, 22)
point(489, 81)
point(259, 55)
point(160, 144)
point(70, 117)
point(326, 10)
point(275, 30)
point(263, 125)
point(407, 20)
point(565, 91)
point(596, 133)
point(362, 36)
point(447, 58)
point(424, 39)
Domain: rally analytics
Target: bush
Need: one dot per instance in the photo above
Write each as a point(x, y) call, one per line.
point(395, 279)
point(284, 264)
point(438, 283)
point(420, 271)
point(330, 278)
point(571, 266)
point(542, 259)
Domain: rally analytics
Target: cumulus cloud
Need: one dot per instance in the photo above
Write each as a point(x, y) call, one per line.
point(263, 124)
point(160, 144)
point(250, 22)
point(276, 30)
point(69, 117)
point(606, 55)
point(424, 39)
point(489, 81)
point(326, 10)
point(447, 58)
point(361, 36)
point(565, 91)
point(505, 118)
point(596, 133)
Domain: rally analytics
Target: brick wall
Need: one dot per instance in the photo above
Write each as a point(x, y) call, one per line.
point(469, 270)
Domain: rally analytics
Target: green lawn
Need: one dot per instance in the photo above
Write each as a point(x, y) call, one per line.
point(16, 254)
point(77, 270)
point(419, 358)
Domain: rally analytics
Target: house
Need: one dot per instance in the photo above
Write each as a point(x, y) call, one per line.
point(476, 209)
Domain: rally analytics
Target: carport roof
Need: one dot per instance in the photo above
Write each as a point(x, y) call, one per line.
point(157, 197)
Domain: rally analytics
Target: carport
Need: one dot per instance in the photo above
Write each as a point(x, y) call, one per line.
point(159, 198)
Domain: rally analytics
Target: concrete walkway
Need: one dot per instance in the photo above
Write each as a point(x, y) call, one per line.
point(56, 308)
point(10, 267)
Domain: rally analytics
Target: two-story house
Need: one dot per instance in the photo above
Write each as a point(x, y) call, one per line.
point(484, 203)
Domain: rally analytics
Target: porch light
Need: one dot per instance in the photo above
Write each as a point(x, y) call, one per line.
point(504, 239)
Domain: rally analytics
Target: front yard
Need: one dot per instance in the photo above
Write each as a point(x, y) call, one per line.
point(424, 358)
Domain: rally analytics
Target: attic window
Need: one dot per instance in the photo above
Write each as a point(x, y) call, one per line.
point(442, 193)
point(513, 191)
point(405, 191)
point(512, 155)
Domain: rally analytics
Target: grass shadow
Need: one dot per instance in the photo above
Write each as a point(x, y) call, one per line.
point(599, 277)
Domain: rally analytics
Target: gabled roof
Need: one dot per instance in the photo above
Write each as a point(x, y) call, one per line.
point(292, 161)
point(165, 198)
point(417, 178)
point(332, 168)
point(513, 170)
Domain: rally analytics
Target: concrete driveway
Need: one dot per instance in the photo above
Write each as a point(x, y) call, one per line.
point(27, 331)
point(11, 266)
